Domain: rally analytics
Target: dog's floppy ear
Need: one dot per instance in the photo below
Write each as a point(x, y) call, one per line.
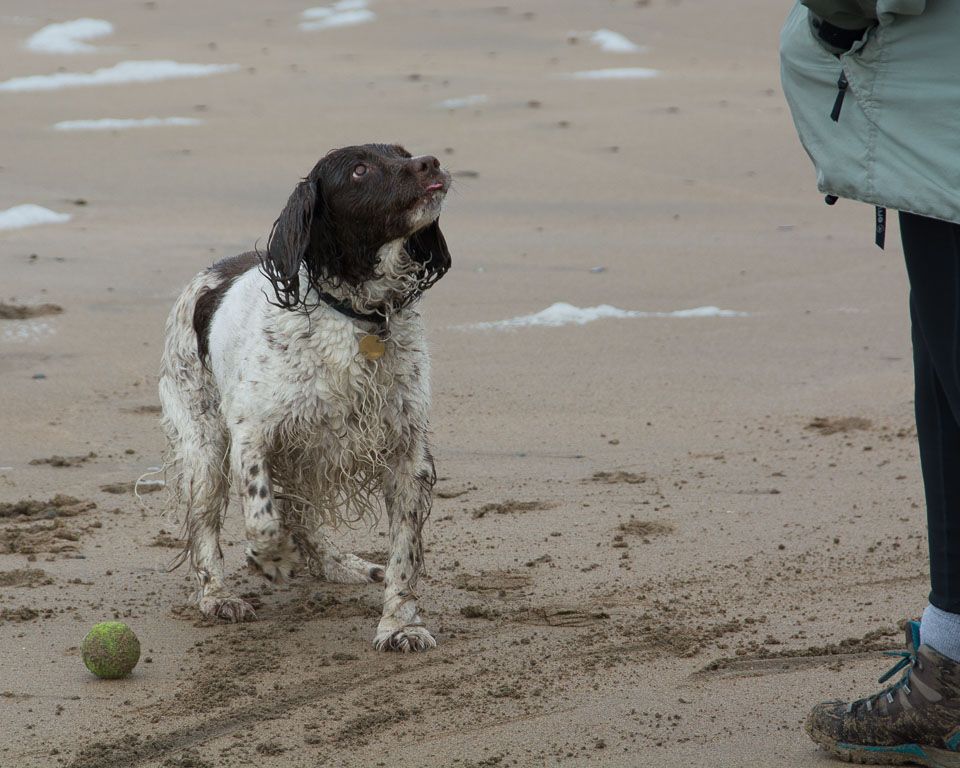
point(429, 247)
point(289, 243)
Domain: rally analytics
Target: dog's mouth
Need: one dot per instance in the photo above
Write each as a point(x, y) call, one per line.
point(431, 198)
point(435, 191)
point(437, 184)
point(426, 206)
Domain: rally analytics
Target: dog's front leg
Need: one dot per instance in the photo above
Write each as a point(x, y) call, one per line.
point(407, 490)
point(271, 550)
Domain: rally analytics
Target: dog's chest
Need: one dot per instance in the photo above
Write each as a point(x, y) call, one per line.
point(344, 405)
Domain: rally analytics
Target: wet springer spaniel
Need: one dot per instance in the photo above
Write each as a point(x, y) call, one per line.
point(301, 378)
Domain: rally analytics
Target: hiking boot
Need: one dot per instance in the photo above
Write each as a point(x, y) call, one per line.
point(915, 720)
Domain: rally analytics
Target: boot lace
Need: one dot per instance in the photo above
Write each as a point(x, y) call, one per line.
point(908, 660)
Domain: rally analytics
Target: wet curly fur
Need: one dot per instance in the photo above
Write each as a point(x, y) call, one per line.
point(264, 389)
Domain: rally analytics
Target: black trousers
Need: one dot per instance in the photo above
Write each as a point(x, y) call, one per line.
point(932, 252)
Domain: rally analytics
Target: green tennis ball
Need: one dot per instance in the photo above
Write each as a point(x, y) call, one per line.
point(110, 650)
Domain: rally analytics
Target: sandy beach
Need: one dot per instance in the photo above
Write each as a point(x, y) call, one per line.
point(679, 497)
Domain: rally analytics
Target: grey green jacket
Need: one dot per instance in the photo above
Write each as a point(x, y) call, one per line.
point(896, 140)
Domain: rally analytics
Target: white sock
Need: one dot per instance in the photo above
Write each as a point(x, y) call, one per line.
point(941, 631)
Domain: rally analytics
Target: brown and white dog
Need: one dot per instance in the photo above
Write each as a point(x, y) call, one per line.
point(301, 378)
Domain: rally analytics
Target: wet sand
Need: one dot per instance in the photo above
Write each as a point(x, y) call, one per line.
point(657, 540)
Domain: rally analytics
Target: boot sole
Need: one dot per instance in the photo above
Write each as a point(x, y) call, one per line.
point(902, 754)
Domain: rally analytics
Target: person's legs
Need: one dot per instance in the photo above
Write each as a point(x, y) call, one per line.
point(917, 719)
point(932, 253)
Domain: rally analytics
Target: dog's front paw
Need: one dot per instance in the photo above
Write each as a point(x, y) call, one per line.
point(277, 562)
point(227, 607)
point(405, 639)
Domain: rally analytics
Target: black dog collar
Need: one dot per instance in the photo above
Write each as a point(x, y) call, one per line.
point(373, 345)
point(346, 308)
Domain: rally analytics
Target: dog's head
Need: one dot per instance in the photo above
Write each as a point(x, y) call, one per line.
point(343, 218)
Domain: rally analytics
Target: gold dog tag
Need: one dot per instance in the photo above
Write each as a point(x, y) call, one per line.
point(371, 347)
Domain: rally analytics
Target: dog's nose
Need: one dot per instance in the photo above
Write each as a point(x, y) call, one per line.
point(425, 164)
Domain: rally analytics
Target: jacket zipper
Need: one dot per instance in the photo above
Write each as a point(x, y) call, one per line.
point(841, 90)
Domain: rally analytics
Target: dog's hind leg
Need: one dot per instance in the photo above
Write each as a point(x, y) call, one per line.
point(408, 489)
point(340, 567)
point(206, 488)
point(198, 447)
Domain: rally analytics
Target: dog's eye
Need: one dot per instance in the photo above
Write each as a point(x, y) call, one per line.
point(359, 171)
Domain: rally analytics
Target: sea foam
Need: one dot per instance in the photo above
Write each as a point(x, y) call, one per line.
point(346, 13)
point(68, 36)
point(622, 73)
point(614, 42)
point(466, 101)
point(562, 313)
point(22, 331)
point(123, 72)
point(119, 124)
point(30, 215)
